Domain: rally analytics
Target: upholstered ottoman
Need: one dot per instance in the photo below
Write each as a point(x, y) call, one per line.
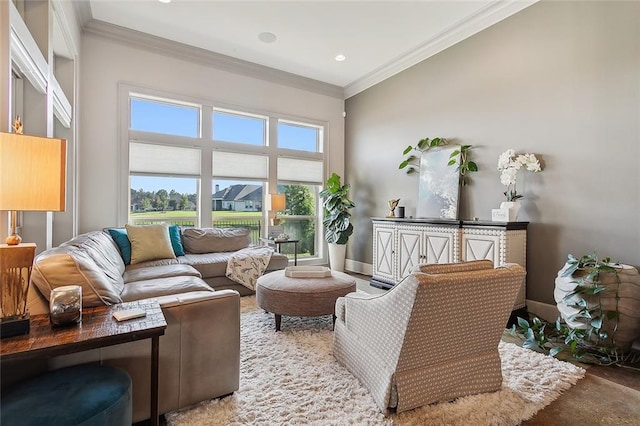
point(302, 297)
point(88, 395)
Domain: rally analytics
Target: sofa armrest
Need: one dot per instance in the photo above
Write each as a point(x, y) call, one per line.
point(199, 352)
point(450, 268)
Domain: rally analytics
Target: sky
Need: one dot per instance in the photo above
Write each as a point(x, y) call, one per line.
point(183, 121)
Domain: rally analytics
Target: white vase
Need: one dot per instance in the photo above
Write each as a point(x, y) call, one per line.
point(513, 207)
point(337, 253)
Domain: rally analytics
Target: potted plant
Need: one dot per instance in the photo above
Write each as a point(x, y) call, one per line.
point(508, 165)
point(337, 220)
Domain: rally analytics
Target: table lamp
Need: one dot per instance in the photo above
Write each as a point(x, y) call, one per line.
point(278, 202)
point(32, 178)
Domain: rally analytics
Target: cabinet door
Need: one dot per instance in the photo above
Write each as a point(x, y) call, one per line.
point(383, 252)
point(409, 251)
point(440, 246)
point(481, 246)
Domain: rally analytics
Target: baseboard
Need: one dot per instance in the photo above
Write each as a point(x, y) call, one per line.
point(544, 311)
point(358, 267)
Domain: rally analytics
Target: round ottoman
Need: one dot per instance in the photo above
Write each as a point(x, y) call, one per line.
point(301, 297)
point(88, 394)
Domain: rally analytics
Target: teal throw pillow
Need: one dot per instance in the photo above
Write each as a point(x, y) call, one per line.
point(119, 235)
point(176, 242)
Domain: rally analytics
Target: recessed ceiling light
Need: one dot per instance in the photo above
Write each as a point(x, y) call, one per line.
point(340, 57)
point(164, 1)
point(267, 37)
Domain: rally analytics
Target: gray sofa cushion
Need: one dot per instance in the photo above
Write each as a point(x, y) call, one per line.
point(162, 271)
point(137, 290)
point(215, 264)
point(214, 240)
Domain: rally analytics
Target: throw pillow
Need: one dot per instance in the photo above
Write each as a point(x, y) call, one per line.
point(149, 242)
point(176, 242)
point(119, 235)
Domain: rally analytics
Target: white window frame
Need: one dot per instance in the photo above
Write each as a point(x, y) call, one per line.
point(207, 145)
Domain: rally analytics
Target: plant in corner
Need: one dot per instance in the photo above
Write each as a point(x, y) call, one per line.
point(588, 295)
point(412, 161)
point(337, 219)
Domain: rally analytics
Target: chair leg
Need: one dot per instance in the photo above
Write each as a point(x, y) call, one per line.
point(334, 322)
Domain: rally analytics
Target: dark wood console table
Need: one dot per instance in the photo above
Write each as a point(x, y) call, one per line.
point(98, 329)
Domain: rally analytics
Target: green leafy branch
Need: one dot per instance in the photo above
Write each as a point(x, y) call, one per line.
point(412, 162)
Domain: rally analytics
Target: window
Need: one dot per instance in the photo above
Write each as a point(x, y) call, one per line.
point(178, 174)
point(163, 199)
point(298, 136)
point(238, 203)
point(164, 117)
point(299, 219)
point(229, 127)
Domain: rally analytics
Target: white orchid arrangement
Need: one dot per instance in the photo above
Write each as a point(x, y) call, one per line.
point(508, 165)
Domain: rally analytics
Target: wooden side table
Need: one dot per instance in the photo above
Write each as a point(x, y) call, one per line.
point(277, 243)
point(98, 329)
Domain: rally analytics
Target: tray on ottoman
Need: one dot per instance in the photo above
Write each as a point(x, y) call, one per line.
point(307, 271)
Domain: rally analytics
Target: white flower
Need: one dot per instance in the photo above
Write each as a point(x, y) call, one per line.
point(508, 176)
point(530, 161)
point(505, 159)
point(509, 164)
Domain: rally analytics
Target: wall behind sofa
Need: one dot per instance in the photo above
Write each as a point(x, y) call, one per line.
point(106, 62)
point(560, 79)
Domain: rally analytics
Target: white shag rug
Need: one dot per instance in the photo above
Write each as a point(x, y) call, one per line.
point(291, 377)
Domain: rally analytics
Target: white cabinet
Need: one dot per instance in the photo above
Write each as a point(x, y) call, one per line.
point(425, 244)
point(498, 244)
point(384, 251)
point(401, 244)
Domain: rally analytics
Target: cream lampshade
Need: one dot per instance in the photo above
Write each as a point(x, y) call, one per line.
point(278, 202)
point(32, 178)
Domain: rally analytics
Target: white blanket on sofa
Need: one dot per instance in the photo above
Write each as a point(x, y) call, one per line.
point(246, 265)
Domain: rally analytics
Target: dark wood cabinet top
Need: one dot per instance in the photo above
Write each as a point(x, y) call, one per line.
point(455, 223)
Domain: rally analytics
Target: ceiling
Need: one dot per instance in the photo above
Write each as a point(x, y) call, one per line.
point(378, 38)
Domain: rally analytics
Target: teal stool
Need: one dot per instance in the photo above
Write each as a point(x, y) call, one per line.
point(90, 394)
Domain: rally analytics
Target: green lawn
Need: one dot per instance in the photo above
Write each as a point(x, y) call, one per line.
point(187, 214)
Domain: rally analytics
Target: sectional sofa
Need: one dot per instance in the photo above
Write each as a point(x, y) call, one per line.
point(200, 351)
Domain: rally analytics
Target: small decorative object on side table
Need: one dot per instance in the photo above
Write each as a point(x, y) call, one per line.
point(65, 305)
point(99, 329)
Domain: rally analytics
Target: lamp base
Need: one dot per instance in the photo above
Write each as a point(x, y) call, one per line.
point(14, 326)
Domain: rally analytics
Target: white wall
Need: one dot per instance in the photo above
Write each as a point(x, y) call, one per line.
point(105, 63)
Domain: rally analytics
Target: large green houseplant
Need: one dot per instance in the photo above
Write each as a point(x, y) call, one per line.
point(337, 219)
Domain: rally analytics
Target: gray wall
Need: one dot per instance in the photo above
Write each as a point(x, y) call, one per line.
point(559, 79)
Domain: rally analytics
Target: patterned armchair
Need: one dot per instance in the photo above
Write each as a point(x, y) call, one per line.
point(433, 337)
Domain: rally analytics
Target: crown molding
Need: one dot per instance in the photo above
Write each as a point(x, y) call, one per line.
point(486, 17)
point(179, 50)
point(83, 12)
